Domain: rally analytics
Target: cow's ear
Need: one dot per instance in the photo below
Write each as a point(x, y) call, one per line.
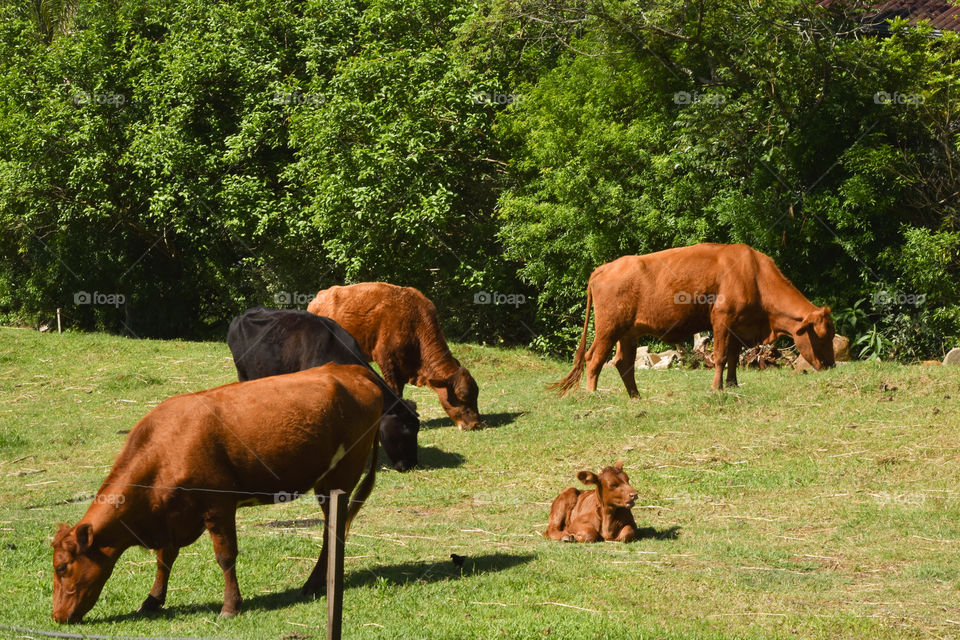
point(618, 465)
point(84, 537)
point(588, 477)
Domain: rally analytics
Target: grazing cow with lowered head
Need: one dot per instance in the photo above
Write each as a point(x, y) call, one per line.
point(270, 342)
point(596, 515)
point(732, 289)
point(398, 328)
point(195, 458)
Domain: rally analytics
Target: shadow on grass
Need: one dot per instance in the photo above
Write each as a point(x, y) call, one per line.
point(427, 458)
point(424, 572)
point(491, 420)
point(651, 533)
point(260, 602)
point(395, 574)
point(434, 458)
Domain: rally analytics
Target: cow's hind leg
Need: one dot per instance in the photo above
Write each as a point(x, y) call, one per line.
point(596, 356)
point(158, 594)
point(318, 577)
point(559, 512)
point(624, 361)
point(222, 526)
point(721, 348)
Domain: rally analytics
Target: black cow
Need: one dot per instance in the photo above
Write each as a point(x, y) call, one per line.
point(269, 342)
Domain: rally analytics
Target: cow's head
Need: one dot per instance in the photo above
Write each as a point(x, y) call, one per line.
point(80, 570)
point(814, 338)
point(458, 395)
point(613, 486)
point(398, 434)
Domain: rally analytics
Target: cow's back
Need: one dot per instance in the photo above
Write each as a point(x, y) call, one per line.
point(216, 439)
point(383, 317)
point(266, 342)
point(670, 293)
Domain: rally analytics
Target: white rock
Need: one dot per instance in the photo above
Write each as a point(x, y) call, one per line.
point(645, 359)
point(665, 359)
point(953, 356)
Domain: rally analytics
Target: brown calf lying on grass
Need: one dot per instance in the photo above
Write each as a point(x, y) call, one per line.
point(599, 514)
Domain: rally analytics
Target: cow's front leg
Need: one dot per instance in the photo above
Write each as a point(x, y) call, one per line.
point(720, 350)
point(158, 594)
point(222, 526)
point(733, 359)
point(392, 376)
point(627, 534)
point(588, 534)
point(624, 361)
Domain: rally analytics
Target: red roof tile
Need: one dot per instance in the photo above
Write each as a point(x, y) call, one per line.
point(941, 14)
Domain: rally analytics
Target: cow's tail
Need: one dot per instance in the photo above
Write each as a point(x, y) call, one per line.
point(573, 378)
point(365, 487)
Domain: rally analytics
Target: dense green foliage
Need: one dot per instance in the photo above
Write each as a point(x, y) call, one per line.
point(198, 157)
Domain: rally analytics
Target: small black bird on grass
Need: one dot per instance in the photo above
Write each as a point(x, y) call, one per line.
point(457, 560)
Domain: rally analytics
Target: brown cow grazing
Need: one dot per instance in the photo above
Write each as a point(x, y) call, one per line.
point(596, 515)
point(732, 289)
point(398, 329)
point(195, 458)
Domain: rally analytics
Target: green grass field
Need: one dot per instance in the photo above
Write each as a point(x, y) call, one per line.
point(812, 506)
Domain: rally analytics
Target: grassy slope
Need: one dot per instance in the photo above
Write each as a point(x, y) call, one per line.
point(796, 506)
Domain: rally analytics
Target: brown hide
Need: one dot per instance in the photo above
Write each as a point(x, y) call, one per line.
point(195, 458)
point(733, 290)
point(597, 515)
point(398, 328)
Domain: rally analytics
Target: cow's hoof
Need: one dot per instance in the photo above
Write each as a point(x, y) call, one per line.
point(229, 612)
point(310, 590)
point(150, 605)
